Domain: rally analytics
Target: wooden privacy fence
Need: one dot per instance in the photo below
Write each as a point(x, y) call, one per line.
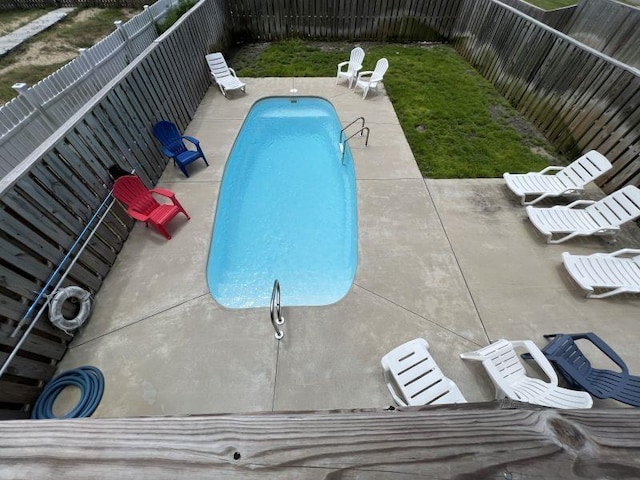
point(578, 97)
point(386, 20)
point(29, 119)
point(557, 18)
point(610, 27)
point(48, 200)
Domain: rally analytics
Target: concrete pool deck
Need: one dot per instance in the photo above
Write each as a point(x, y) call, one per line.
point(453, 261)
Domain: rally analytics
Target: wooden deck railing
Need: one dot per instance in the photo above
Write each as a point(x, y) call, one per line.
point(580, 98)
point(472, 441)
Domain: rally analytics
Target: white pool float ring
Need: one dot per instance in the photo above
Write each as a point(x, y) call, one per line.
point(61, 296)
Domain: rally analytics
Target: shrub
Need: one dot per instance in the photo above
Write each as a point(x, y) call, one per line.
point(173, 15)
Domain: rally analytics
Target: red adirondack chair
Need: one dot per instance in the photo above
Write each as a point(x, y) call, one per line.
point(142, 206)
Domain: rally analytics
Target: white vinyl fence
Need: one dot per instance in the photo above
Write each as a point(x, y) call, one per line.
point(29, 119)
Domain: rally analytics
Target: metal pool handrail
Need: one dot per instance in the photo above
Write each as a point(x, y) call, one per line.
point(360, 131)
point(276, 310)
point(361, 126)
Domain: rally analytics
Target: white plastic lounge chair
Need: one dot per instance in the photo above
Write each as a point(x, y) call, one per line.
point(568, 180)
point(224, 76)
point(603, 217)
point(413, 378)
point(368, 80)
point(607, 271)
point(510, 377)
point(353, 66)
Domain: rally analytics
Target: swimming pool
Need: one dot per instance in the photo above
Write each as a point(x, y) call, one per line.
point(286, 209)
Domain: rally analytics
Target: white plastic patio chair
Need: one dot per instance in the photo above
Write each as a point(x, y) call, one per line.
point(610, 271)
point(352, 66)
point(603, 217)
point(510, 378)
point(413, 378)
point(370, 79)
point(224, 76)
point(569, 180)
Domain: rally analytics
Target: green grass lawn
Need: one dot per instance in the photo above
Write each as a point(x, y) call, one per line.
point(457, 124)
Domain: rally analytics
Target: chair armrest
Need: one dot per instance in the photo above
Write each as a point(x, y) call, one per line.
point(578, 202)
point(603, 347)
point(163, 192)
point(366, 73)
point(472, 356)
point(137, 215)
point(624, 251)
point(550, 169)
point(342, 64)
point(233, 72)
point(191, 139)
point(540, 359)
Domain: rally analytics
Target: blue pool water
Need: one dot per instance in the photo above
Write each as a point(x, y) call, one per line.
point(286, 209)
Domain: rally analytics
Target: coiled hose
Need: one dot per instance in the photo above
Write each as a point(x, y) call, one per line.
point(88, 379)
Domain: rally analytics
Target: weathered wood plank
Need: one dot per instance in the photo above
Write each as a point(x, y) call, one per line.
point(453, 442)
point(34, 344)
point(6, 414)
point(24, 367)
point(16, 393)
point(608, 26)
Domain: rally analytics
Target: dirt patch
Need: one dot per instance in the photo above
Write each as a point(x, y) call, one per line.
point(9, 26)
point(532, 138)
point(10, 23)
point(41, 52)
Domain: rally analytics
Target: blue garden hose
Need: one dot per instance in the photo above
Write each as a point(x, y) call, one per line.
point(88, 379)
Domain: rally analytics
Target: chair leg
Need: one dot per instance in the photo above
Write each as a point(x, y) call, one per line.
point(175, 201)
point(162, 230)
point(184, 170)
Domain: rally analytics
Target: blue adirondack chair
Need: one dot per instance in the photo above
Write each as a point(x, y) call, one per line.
point(563, 352)
point(173, 145)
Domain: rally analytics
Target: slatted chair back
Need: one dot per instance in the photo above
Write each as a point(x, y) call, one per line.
point(218, 65)
point(414, 378)
point(355, 59)
point(584, 170)
point(382, 66)
point(618, 208)
point(131, 191)
point(169, 136)
point(503, 357)
point(568, 359)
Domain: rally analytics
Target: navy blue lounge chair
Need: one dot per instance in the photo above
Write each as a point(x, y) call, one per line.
point(173, 145)
point(563, 352)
